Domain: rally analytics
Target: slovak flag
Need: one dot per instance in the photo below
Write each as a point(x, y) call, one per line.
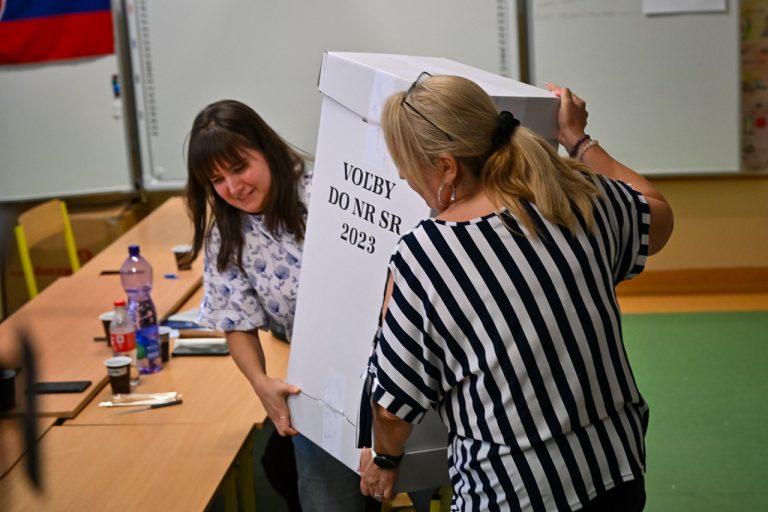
point(45, 30)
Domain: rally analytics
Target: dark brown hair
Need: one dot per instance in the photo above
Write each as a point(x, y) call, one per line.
point(220, 134)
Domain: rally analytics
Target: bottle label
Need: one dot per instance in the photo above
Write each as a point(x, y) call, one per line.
point(123, 342)
point(147, 344)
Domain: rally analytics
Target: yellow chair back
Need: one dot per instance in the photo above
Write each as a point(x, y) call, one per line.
point(35, 225)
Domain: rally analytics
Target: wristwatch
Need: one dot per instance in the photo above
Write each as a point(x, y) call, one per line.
point(386, 461)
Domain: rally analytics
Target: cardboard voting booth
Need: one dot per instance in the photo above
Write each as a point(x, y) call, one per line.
point(358, 211)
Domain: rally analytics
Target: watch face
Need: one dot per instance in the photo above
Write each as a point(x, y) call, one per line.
point(385, 462)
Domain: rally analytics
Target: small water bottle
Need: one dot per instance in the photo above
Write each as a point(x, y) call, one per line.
point(136, 277)
point(122, 337)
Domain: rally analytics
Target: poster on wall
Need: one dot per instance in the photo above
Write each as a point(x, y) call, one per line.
point(754, 84)
point(41, 30)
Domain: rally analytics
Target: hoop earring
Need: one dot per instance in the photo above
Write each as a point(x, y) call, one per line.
point(440, 194)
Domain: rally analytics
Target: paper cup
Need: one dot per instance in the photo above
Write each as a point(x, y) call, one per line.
point(164, 336)
point(106, 319)
point(119, 371)
point(180, 252)
point(7, 390)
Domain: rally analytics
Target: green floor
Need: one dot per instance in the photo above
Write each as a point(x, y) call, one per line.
point(705, 377)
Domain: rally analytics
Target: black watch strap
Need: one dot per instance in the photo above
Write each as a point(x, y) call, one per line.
point(386, 461)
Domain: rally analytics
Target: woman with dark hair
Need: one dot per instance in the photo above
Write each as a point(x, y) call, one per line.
point(501, 311)
point(247, 194)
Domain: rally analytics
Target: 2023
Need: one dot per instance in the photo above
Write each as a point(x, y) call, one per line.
point(358, 238)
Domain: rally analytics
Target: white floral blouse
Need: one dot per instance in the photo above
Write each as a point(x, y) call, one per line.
point(265, 295)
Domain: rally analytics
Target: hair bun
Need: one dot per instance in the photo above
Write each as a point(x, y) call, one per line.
point(505, 128)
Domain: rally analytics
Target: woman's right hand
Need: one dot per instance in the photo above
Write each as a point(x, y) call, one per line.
point(245, 347)
point(273, 394)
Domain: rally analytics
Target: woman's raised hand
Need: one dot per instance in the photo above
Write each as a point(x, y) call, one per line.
point(572, 116)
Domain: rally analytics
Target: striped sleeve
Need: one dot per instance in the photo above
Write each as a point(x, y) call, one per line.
point(623, 220)
point(406, 375)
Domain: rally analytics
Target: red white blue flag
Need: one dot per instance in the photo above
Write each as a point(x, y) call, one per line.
point(44, 30)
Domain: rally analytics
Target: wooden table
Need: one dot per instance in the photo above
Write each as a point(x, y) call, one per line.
point(127, 467)
point(212, 388)
point(63, 320)
point(173, 458)
point(12, 441)
point(155, 234)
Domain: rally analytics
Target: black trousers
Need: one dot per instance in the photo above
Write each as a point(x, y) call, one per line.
point(625, 497)
point(280, 469)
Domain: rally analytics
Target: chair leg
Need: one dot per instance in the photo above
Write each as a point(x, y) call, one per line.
point(26, 262)
point(230, 492)
point(401, 503)
point(69, 239)
point(441, 502)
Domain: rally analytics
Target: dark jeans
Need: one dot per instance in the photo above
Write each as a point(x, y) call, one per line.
point(625, 497)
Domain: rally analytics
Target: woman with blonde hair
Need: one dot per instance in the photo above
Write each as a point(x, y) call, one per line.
point(501, 312)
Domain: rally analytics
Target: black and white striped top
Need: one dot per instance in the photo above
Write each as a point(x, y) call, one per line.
point(517, 343)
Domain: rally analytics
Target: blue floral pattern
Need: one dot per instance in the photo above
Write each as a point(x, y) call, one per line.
point(264, 296)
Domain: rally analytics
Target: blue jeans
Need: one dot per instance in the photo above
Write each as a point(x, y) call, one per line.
point(325, 484)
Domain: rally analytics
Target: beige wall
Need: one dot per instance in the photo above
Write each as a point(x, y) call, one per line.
point(720, 222)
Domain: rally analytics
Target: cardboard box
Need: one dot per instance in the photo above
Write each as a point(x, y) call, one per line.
point(359, 210)
point(94, 228)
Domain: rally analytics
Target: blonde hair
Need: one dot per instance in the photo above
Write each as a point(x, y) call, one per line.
point(451, 114)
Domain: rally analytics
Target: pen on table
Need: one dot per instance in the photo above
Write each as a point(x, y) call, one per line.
point(109, 272)
point(165, 404)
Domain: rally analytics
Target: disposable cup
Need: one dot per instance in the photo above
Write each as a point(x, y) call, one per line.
point(119, 371)
point(106, 319)
point(7, 390)
point(180, 252)
point(164, 334)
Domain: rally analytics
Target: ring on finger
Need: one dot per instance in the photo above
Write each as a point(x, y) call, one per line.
point(378, 497)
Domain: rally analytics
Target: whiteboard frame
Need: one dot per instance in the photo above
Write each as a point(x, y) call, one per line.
point(63, 132)
point(695, 85)
point(168, 99)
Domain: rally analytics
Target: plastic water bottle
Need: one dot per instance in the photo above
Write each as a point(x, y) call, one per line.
point(122, 337)
point(136, 276)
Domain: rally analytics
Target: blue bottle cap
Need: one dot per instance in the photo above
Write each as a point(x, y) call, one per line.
point(133, 250)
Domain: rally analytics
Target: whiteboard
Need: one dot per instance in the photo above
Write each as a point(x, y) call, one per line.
point(663, 92)
point(268, 53)
point(62, 133)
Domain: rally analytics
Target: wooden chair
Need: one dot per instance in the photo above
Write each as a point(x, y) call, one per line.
point(441, 502)
point(37, 224)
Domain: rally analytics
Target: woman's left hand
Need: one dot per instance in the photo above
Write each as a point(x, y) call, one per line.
point(374, 481)
point(572, 116)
